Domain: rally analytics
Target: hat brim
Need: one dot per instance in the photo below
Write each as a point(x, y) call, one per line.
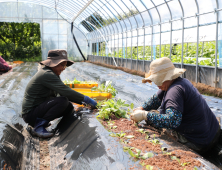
point(53, 63)
point(158, 79)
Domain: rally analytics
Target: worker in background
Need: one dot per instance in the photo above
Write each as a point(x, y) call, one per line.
point(4, 67)
point(47, 97)
point(182, 108)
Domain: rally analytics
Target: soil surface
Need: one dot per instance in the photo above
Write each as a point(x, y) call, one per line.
point(44, 154)
point(148, 139)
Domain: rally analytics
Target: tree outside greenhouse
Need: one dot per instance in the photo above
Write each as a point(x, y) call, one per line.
point(20, 41)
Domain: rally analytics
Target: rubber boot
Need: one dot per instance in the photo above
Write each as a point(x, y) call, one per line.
point(39, 129)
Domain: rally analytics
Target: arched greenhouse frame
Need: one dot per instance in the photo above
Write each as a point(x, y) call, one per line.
point(124, 36)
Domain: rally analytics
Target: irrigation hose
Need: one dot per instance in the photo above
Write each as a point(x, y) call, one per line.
point(76, 42)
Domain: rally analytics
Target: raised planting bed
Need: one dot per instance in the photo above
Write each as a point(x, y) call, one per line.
point(153, 148)
point(149, 147)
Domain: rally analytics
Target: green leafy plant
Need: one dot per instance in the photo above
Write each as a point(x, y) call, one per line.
point(137, 155)
point(129, 136)
point(185, 163)
point(106, 88)
point(175, 158)
point(206, 52)
point(120, 135)
point(142, 131)
point(147, 155)
point(20, 41)
point(149, 167)
point(155, 141)
point(75, 81)
point(109, 107)
point(111, 124)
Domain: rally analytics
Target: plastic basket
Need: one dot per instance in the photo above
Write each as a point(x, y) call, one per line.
point(88, 86)
point(97, 95)
point(18, 62)
point(83, 90)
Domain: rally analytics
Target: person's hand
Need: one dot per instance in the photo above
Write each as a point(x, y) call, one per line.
point(90, 102)
point(138, 115)
point(138, 108)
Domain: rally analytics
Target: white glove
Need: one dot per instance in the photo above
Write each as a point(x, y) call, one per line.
point(139, 115)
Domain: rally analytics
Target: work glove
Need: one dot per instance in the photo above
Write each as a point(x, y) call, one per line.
point(139, 115)
point(90, 102)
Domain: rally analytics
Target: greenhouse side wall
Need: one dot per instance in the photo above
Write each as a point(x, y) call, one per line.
point(206, 74)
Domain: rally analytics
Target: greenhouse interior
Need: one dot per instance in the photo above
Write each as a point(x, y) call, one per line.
point(110, 84)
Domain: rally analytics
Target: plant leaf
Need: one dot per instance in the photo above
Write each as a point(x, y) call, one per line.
point(147, 155)
point(132, 106)
point(129, 136)
point(112, 134)
point(131, 153)
point(114, 127)
point(149, 167)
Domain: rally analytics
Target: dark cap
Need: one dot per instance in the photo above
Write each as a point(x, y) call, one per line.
point(55, 57)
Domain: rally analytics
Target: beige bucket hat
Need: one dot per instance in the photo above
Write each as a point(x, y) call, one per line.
point(55, 57)
point(162, 70)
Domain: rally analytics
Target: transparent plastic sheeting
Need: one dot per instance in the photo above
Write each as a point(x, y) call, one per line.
point(55, 31)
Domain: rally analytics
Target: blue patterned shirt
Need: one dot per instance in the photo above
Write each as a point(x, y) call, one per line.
point(170, 120)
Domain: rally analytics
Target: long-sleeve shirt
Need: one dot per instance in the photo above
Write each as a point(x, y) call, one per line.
point(43, 85)
point(170, 120)
point(4, 67)
point(184, 109)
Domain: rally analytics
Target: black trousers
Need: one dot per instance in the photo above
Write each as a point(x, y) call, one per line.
point(49, 110)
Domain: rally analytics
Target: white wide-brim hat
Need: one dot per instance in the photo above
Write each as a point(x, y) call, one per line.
point(162, 70)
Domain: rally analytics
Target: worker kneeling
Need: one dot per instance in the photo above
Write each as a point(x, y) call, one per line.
point(41, 103)
point(182, 108)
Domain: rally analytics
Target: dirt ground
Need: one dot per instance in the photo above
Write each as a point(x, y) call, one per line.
point(44, 154)
point(146, 139)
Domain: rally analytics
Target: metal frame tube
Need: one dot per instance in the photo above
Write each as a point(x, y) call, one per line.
point(197, 51)
point(216, 47)
point(182, 33)
point(82, 10)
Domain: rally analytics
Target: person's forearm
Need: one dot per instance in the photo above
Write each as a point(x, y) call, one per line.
point(152, 103)
point(171, 120)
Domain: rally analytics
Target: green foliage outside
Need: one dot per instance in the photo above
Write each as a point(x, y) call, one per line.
point(20, 41)
point(206, 56)
point(108, 88)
